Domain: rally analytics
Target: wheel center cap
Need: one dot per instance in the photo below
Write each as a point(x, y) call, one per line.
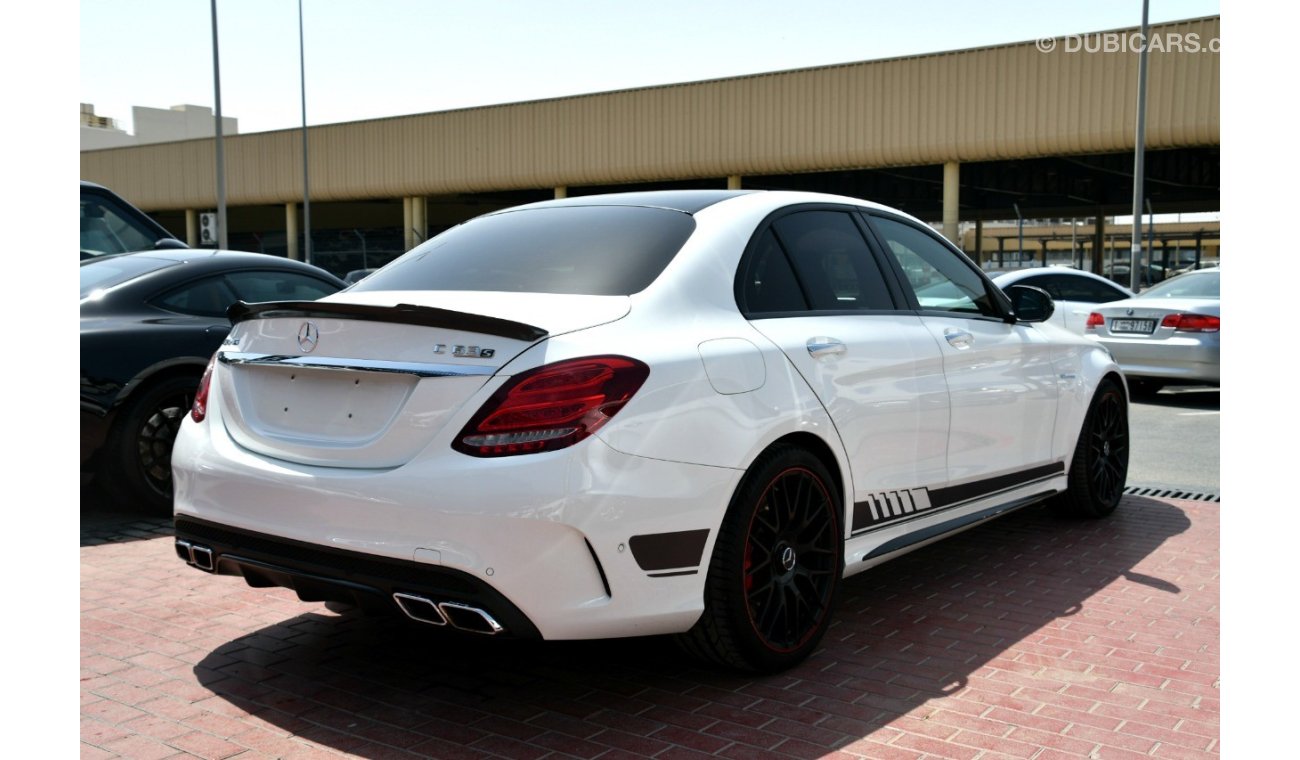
point(788, 558)
point(1105, 448)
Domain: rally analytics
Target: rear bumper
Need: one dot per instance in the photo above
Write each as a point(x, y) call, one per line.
point(321, 574)
point(558, 538)
point(1174, 358)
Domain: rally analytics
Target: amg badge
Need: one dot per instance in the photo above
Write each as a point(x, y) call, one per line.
point(465, 352)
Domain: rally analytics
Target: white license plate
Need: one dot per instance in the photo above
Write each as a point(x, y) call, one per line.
point(1144, 326)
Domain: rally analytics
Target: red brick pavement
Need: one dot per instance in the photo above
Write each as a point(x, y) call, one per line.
point(1028, 637)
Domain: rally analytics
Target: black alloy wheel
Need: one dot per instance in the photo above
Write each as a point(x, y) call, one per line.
point(775, 569)
point(790, 560)
point(156, 436)
point(135, 467)
point(1100, 465)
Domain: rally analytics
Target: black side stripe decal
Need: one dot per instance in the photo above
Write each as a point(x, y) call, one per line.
point(889, 507)
point(943, 497)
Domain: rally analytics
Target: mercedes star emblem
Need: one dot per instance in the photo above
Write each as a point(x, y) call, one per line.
point(308, 337)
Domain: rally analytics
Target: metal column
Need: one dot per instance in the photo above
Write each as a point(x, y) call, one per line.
point(951, 195)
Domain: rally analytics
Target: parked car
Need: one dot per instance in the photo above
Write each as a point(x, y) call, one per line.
point(1074, 291)
point(111, 225)
point(679, 412)
point(149, 323)
point(357, 275)
point(1169, 333)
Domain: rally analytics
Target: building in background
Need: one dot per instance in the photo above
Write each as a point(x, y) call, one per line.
point(152, 125)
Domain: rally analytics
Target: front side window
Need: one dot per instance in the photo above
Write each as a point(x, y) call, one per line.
point(937, 275)
point(581, 250)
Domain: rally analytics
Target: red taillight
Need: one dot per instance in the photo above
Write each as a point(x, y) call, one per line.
point(1191, 322)
point(200, 408)
point(551, 407)
point(1095, 320)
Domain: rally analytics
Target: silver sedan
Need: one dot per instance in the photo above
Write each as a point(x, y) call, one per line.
point(1168, 334)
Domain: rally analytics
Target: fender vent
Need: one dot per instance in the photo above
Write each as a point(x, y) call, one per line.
point(1170, 493)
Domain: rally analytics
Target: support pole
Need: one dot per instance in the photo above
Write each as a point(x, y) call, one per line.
point(223, 238)
point(733, 182)
point(979, 242)
point(562, 191)
point(951, 197)
point(192, 228)
point(291, 231)
point(1098, 243)
point(1139, 155)
point(408, 223)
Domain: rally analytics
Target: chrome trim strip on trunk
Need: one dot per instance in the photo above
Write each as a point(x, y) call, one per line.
point(419, 369)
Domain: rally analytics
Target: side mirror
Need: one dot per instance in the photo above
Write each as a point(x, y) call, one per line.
point(1031, 304)
point(167, 244)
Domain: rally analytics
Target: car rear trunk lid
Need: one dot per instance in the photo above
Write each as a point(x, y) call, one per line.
point(365, 386)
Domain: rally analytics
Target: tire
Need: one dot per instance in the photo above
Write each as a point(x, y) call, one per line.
point(1100, 464)
point(776, 567)
point(135, 465)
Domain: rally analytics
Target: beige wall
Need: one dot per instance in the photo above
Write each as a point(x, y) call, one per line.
point(1003, 102)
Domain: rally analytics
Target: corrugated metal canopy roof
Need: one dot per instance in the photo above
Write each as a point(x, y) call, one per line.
point(982, 104)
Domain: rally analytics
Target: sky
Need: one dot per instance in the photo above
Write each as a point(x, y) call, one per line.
point(375, 58)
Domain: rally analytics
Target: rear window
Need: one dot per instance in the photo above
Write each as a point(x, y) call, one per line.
point(102, 274)
point(1186, 286)
point(584, 250)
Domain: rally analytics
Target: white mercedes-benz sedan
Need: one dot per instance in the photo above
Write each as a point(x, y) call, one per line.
point(678, 412)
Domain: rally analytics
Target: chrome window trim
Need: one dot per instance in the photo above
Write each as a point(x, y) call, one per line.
point(419, 369)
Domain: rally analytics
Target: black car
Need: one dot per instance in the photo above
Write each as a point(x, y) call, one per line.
point(111, 225)
point(149, 323)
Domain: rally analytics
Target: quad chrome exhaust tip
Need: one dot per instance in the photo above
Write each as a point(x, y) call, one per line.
point(462, 617)
point(196, 555)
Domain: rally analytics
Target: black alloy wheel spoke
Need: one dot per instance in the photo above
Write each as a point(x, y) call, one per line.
point(789, 551)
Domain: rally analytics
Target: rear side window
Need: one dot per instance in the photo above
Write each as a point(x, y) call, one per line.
point(832, 261)
point(255, 287)
point(1064, 287)
point(208, 297)
point(584, 250)
point(768, 283)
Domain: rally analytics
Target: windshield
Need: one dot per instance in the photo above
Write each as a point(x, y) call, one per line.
point(102, 274)
point(584, 250)
point(1186, 286)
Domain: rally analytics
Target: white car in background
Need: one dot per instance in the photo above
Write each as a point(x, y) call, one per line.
point(1075, 292)
point(679, 412)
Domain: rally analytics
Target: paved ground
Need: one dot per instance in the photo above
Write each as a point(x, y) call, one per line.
point(1029, 637)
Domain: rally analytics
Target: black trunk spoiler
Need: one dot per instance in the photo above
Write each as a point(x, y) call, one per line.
point(402, 313)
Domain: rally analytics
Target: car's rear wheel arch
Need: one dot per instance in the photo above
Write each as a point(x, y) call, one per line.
point(820, 449)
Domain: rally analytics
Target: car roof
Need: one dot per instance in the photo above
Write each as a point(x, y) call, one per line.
point(210, 259)
point(1016, 274)
point(686, 201)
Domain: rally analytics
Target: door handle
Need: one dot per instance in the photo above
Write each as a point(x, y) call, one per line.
point(822, 346)
point(958, 339)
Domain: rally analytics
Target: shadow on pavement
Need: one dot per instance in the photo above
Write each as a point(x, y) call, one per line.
point(915, 629)
point(1185, 397)
point(104, 521)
